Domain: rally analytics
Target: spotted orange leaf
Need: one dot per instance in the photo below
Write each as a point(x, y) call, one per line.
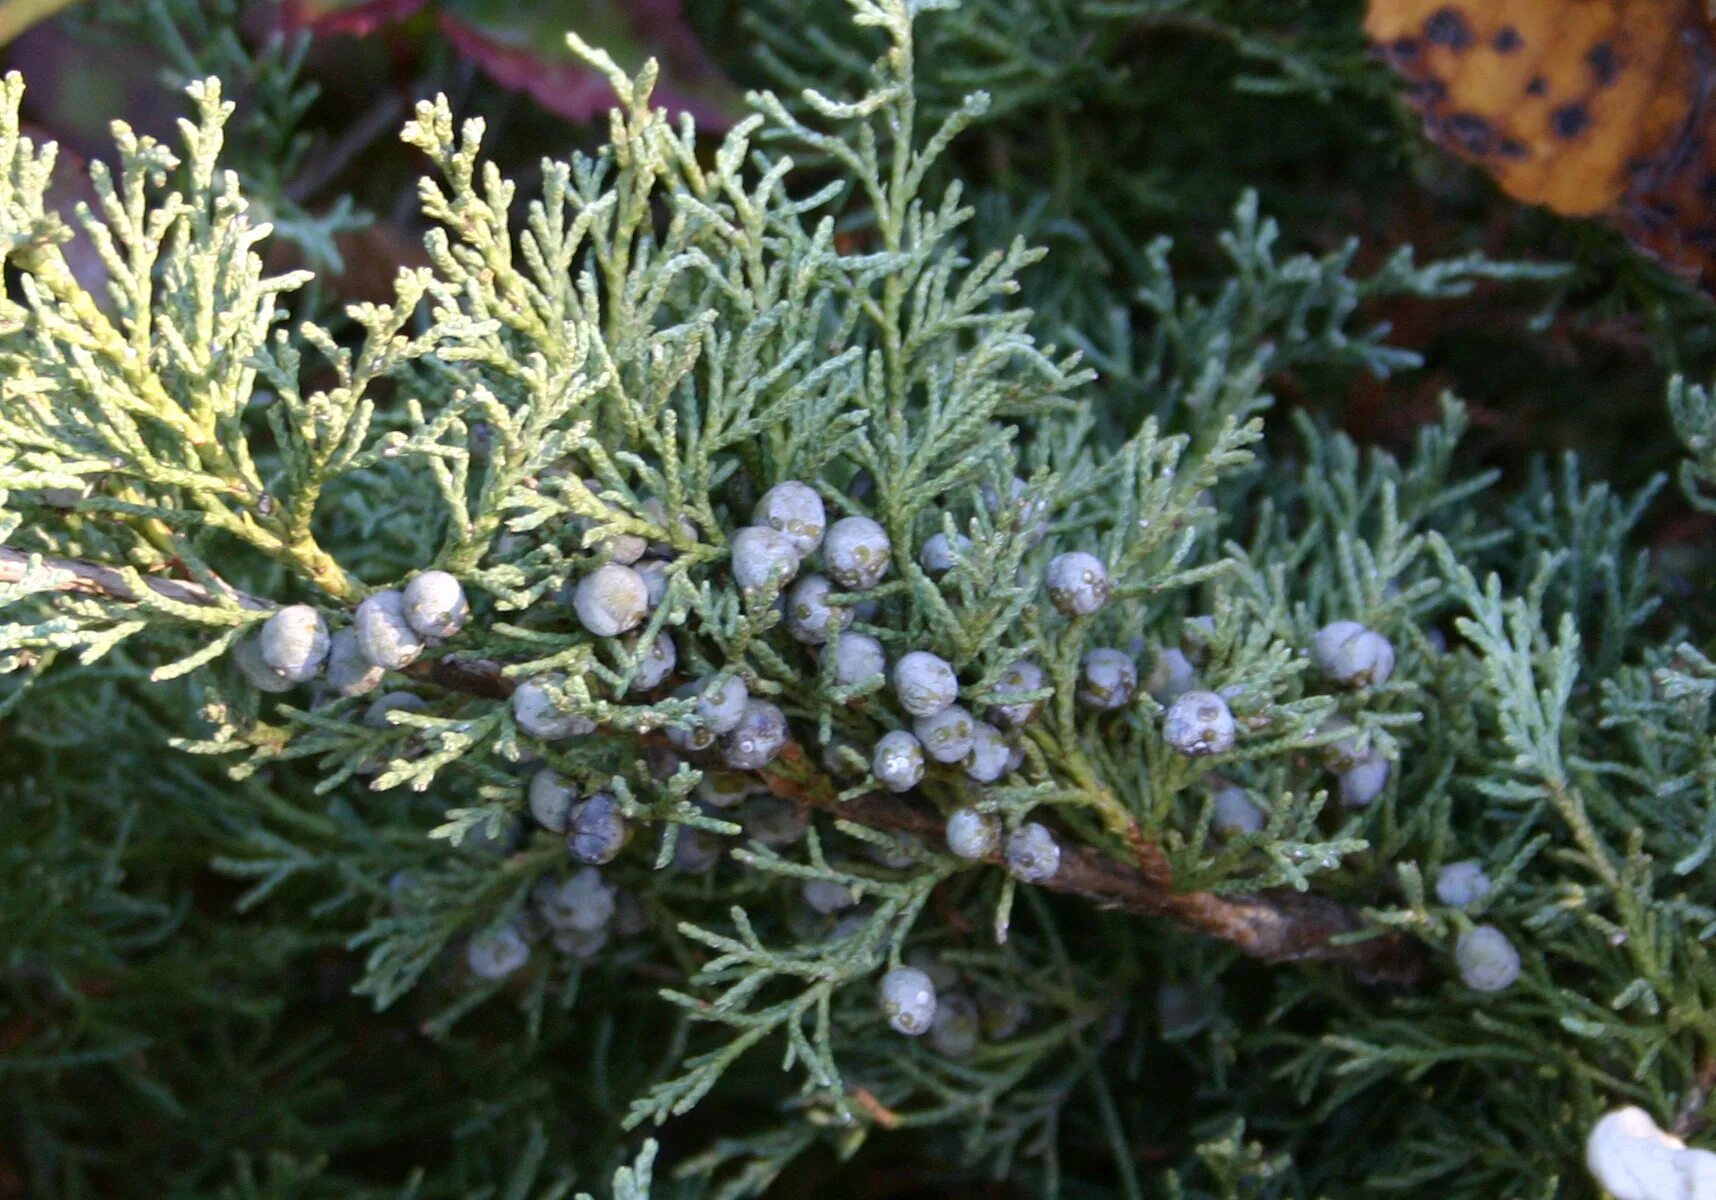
point(1590, 107)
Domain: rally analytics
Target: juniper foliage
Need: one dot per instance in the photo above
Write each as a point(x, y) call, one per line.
point(625, 361)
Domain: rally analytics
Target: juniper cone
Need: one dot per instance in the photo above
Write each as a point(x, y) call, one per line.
point(434, 765)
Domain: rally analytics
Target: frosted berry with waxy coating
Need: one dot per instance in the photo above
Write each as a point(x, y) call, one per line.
point(376, 714)
point(948, 735)
point(827, 897)
point(1327, 640)
point(1234, 813)
point(1460, 884)
point(908, 1001)
point(809, 616)
point(1171, 677)
point(497, 953)
point(856, 553)
point(1363, 782)
point(973, 834)
point(954, 1029)
point(764, 559)
point(656, 664)
point(1107, 679)
point(1022, 676)
point(1487, 960)
point(721, 702)
point(757, 738)
point(1077, 583)
point(794, 509)
point(1033, 855)
point(247, 655)
point(384, 634)
point(349, 672)
point(924, 683)
point(1361, 660)
point(551, 799)
point(940, 554)
point(611, 600)
point(898, 761)
point(596, 830)
point(656, 512)
point(294, 641)
point(858, 658)
point(1200, 723)
point(435, 604)
point(537, 712)
point(989, 755)
point(654, 574)
point(696, 851)
point(583, 901)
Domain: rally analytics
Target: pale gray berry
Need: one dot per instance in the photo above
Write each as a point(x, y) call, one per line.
point(596, 830)
point(1353, 656)
point(757, 738)
point(1107, 679)
point(726, 789)
point(987, 761)
point(973, 834)
point(924, 683)
point(497, 953)
point(537, 712)
point(294, 641)
point(1022, 676)
point(580, 943)
point(1033, 855)
point(1171, 677)
point(1200, 723)
point(551, 798)
point(384, 634)
point(940, 553)
point(774, 821)
point(350, 673)
point(654, 574)
point(656, 664)
point(1033, 517)
point(1488, 962)
point(376, 714)
point(1461, 884)
point(1196, 636)
point(944, 975)
point(721, 701)
point(764, 559)
point(794, 509)
point(908, 1001)
point(954, 1028)
point(611, 600)
point(1327, 640)
point(696, 851)
point(1077, 583)
point(435, 604)
point(857, 553)
point(809, 616)
point(1233, 812)
point(828, 897)
point(1363, 782)
point(898, 761)
point(858, 658)
point(247, 656)
point(583, 901)
point(948, 735)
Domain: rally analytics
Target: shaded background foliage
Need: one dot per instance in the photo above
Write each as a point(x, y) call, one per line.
point(162, 1032)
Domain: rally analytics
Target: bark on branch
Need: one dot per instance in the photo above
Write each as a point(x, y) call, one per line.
point(1275, 925)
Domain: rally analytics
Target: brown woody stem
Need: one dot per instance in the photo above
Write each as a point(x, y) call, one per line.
point(1275, 925)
